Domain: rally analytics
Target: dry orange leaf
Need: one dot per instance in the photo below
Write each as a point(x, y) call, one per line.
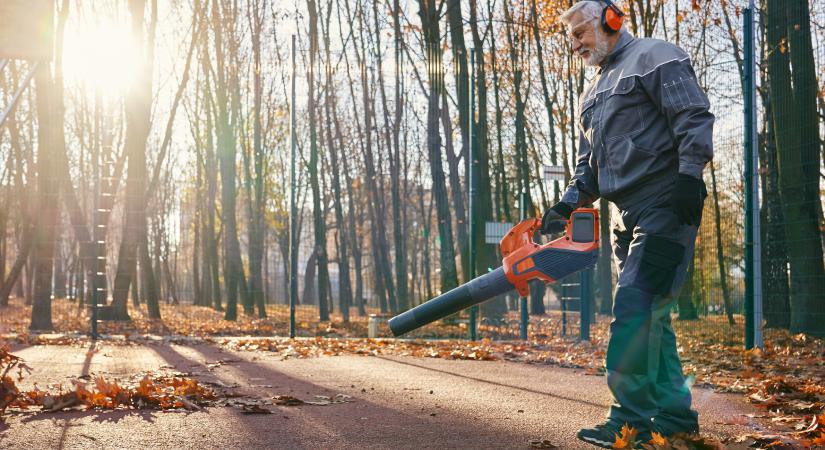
point(659, 441)
point(627, 439)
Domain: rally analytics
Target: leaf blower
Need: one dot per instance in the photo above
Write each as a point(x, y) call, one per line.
point(523, 261)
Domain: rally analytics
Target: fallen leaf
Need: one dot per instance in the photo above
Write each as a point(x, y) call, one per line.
point(542, 443)
point(659, 441)
point(627, 439)
point(254, 409)
point(286, 400)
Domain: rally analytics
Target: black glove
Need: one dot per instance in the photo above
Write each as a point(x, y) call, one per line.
point(687, 199)
point(555, 218)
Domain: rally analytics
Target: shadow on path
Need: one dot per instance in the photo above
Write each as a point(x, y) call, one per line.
point(348, 425)
point(495, 383)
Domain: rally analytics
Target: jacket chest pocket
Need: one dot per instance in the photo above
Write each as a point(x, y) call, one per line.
point(622, 110)
point(586, 118)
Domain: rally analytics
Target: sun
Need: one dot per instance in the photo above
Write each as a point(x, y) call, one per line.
point(103, 56)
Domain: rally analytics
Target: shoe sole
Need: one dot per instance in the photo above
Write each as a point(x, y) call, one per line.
point(596, 442)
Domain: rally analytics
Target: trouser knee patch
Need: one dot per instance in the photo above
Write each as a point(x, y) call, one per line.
point(628, 348)
point(657, 269)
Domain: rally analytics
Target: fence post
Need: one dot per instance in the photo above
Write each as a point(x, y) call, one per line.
point(523, 317)
point(584, 305)
point(753, 244)
point(473, 193)
point(94, 262)
point(293, 206)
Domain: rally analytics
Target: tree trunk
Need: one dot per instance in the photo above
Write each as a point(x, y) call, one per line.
point(13, 279)
point(808, 305)
point(720, 250)
point(775, 290)
point(485, 254)
point(334, 147)
point(138, 115)
point(310, 296)
point(222, 23)
point(462, 80)
point(355, 224)
point(257, 201)
point(502, 203)
point(51, 143)
point(548, 103)
point(687, 309)
point(399, 237)
point(798, 158)
point(312, 168)
point(47, 192)
point(432, 43)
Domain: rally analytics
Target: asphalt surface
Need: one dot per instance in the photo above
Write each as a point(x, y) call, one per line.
point(396, 402)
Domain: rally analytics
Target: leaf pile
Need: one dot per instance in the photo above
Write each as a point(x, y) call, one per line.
point(9, 393)
point(146, 391)
point(628, 439)
point(786, 380)
point(150, 392)
point(314, 347)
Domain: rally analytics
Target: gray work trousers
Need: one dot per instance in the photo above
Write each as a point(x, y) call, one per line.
point(652, 251)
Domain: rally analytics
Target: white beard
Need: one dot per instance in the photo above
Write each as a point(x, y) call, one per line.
point(599, 53)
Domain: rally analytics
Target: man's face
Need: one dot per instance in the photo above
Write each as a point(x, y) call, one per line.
point(587, 40)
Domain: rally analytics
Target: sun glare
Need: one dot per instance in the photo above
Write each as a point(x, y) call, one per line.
point(104, 57)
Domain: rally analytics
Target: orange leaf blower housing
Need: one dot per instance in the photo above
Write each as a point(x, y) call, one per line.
point(524, 261)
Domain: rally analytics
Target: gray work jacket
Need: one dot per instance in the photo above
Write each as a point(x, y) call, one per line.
point(643, 119)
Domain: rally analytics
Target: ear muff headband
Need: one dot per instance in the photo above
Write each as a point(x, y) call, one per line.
point(612, 17)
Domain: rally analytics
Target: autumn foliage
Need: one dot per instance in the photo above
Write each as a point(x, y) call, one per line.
point(148, 392)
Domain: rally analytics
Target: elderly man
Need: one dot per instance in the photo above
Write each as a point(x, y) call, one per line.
point(645, 137)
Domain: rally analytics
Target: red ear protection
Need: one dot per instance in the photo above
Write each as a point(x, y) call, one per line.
point(612, 17)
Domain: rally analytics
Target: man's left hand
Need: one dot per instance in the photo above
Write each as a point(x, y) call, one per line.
point(687, 199)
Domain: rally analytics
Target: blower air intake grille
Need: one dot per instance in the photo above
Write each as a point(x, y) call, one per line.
point(558, 263)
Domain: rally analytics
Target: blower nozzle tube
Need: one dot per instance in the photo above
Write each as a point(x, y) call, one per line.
point(473, 292)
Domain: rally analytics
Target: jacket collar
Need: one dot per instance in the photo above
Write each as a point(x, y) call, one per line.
point(625, 38)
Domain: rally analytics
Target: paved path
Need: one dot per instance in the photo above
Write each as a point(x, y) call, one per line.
point(398, 402)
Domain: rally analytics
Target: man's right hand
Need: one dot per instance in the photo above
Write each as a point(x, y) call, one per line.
point(555, 218)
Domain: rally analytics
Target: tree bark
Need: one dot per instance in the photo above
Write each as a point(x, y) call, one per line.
point(462, 81)
point(432, 42)
point(720, 250)
point(485, 254)
point(399, 237)
point(222, 20)
point(134, 244)
point(334, 146)
point(50, 142)
point(775, 289)
point(256, 200)
point(687, 309)
point(798, 160)
point(312, 168)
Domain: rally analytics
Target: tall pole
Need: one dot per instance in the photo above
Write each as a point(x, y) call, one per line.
point(523, 316)
point(755, 216)
point(95, 262)
point(293, 206)
point(473, 192)
point(753, 269)
point(585, 298)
